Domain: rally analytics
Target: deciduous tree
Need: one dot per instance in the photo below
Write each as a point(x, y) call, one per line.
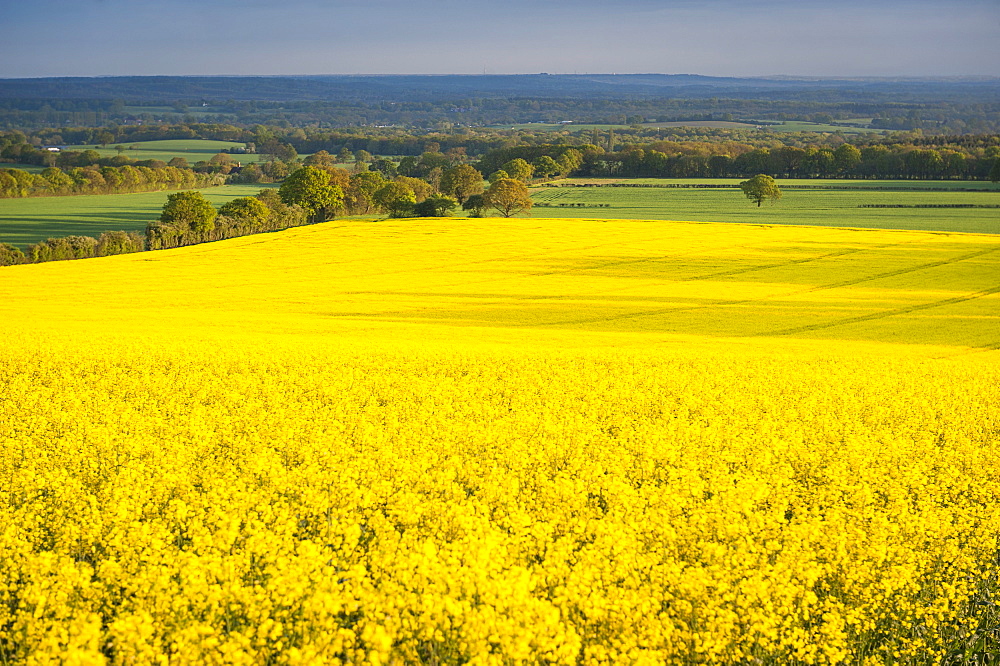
point(310, 187)
point(360, 192)
point(518, 169)
point(436, 206)
point(249, 211)
point(395, 198)
point(761, 187)
point(475, 204)
point(545, 166)
point(462, 182)
point(188, 211)
point(10, 255)
point(421, 188)
point(320, 158)
point(846, 158)
point(508, 197)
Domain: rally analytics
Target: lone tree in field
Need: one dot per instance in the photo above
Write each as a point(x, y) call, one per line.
point(508, 196)
point(761, 187)
point(310, 187)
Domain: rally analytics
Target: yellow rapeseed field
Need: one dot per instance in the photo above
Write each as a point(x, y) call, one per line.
point(505, 442)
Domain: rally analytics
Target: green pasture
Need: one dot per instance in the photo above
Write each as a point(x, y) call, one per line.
point(577, 127)
point(724, 124)
point(820, 207)
point(25, 221)
point(30, 168)
point(558, 127)
point(193, 150)
point(786, 126)
point(804, 183)
point(802, 126)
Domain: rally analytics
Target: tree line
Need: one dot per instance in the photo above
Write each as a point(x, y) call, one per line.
point(958, 156)
point(53, 181)
point(72, 247)
point(188, 218)
point(325, 191)
point(874, 161)
point(308, 195)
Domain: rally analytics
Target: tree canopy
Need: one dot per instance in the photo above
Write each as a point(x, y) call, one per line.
point(761, 187)
point(462, 182)
point(436, 206)
point(545, 166)
point(310, 187)
point(188, 211)
point(248, 210)
point(508, 197)
point(518, 169)
point(395, 198)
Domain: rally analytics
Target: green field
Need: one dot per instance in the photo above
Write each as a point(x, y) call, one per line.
point(803, 183)
point(193, 150)
point(786, 126)
point(812, 206)
point(30, 168)
point(802, 126)
point(24, 221)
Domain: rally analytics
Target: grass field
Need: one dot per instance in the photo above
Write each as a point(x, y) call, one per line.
point(787, 126)
point(812, 206)
point(30, 168)
point(802, 126)
point(25, 221)
point(809, 183)
point(193, 150)
point(505, 441)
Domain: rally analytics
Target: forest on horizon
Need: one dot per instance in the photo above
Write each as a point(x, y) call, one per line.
point(958, 105)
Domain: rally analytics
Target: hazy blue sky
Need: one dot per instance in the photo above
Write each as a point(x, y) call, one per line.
point(714, 37)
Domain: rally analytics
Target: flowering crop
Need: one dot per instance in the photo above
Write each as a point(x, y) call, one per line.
point(228, 454)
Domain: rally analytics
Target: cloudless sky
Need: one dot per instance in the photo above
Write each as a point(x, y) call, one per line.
point(712, 37)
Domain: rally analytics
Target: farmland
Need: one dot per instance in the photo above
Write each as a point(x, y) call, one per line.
point(455, 440)
point(24, 221)
point(193, 150)
point(848, 127)
point(807, 202)
point(804, 202)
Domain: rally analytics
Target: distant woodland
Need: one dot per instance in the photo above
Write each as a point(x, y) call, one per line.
point(956, 106)
point(686, 152)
